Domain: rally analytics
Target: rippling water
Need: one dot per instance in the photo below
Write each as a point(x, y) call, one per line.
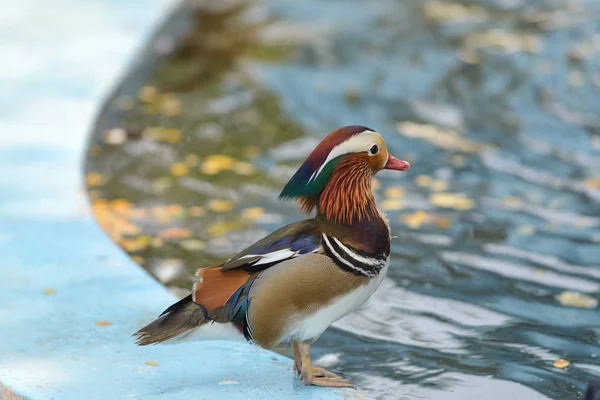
point(496, 261)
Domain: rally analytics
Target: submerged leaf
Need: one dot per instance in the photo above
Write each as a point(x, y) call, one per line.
point(457, 201)
point(196, 211)
point(148, 94)
point(220, 205)
point(215, 163)
point(193, 245)
point(253, 213)
point(94, 179)
point(175, 233)
point(179, 169)
point(415, 219)
point(392, 204)
point(394, 192)
point(561, 363)
point(576, 299)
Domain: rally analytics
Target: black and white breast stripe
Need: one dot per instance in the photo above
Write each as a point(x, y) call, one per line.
point(353, 260)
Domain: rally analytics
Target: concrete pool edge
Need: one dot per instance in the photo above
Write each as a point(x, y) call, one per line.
point(70, 298)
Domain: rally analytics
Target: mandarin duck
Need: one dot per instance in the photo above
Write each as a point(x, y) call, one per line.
point(294, 283)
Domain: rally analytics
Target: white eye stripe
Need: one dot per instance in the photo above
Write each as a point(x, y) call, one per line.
point(357, 143)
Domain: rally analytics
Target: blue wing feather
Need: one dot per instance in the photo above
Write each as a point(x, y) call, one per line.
point(288, 242)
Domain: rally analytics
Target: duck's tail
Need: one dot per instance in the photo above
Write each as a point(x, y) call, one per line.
point(176, 322)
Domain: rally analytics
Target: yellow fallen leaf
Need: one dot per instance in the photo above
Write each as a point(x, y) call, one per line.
point(114, 224)
point(439, 185)
point(443, 223)
point(152, 363)
point(392, 204)
point(138, 259)
point(220, 205)
point(170, 105)
point(94, 179)
point(157, 242)
point(172, 135)
point(561, 363)
point(175, 210)
point(162, 213)
point(153, 133)
point(593, 183)
point(243, 168)
point(49, 291)
point(216, 163)
point(457, 201)
point(175, 233)
point(196, 211)
point(415, 219)
point(103, 323)
point(394, 192)
point(253, 213)
point(576, 299)
point(133, 245)
point(223, 227)
point(148, 94)
point(120, 206)
point(179, 169)
point(423, 180)
point(193, 245)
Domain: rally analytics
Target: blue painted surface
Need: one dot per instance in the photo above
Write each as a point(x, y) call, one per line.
point(54, 74)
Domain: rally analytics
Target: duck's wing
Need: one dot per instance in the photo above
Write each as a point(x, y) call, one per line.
point(224, 289)
point(286, 243)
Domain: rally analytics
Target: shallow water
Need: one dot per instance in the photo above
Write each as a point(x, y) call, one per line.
point(496, 261)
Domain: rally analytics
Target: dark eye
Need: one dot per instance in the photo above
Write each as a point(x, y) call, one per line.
point(374, 149)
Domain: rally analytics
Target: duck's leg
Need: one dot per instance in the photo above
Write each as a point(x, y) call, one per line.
point(297, 359)
point(315, 375)
point(317, 371)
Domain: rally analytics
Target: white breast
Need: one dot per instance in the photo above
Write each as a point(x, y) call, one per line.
point(312, 326)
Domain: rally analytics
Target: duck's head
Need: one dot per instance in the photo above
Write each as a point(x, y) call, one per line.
point(336, 176)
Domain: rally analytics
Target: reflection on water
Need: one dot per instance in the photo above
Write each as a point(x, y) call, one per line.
point(496, 263)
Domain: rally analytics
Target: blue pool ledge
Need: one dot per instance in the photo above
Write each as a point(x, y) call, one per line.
point(69, 298)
